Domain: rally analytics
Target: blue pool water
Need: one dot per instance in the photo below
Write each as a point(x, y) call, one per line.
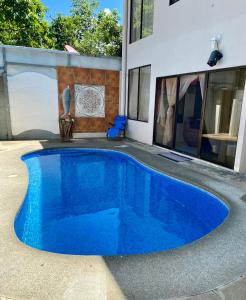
point(100, 202)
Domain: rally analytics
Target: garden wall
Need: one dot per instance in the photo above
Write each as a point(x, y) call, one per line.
point(34, 82)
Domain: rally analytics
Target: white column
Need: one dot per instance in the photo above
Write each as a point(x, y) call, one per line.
point(240, 160)
point(123, 74)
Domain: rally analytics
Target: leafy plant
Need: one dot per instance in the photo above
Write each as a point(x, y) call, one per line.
point(90, 30)
point(22, 23)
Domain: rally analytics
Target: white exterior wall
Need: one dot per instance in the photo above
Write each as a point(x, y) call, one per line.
point(180, 43)
point(33, 100)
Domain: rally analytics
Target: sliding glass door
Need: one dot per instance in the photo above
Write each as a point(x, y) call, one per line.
point(189, 111)
point(178, 112)
point(201, 117)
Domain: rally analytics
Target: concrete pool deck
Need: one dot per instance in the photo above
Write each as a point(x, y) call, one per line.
point(211, 268)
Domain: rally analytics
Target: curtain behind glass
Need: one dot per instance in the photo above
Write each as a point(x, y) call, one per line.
point(136, 20)
point(166, 101)
point(171, 88)
point(133, 94)
point(160, 110)
point(162, 103)
point(147, 22)
point(186, 80)
point(144, 93)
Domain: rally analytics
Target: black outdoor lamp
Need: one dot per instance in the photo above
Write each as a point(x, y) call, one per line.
point(215, 55)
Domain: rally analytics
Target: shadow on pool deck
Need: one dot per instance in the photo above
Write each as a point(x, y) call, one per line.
point(214, 263)
point(200, 267)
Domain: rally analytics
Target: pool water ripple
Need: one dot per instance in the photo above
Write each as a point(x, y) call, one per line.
point(103, 202)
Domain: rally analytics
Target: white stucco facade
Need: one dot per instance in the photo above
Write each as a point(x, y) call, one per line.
point(181, 43)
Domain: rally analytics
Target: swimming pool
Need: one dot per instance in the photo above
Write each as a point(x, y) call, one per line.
point(104, 202)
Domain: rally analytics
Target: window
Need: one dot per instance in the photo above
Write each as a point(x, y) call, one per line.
point(173, 1)
point(139, 93)
point(141, 19)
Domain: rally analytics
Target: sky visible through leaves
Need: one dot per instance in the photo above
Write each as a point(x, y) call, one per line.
point(63, 6)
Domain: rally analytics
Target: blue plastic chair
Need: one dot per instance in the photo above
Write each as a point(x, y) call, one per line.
point(117, 128)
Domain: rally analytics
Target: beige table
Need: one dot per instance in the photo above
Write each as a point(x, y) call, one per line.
point(225, 138)
point(220, 137)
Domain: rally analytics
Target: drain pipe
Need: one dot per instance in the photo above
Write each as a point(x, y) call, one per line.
point(124, 73)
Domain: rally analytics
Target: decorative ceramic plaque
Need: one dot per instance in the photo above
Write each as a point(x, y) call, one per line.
point(89, 101)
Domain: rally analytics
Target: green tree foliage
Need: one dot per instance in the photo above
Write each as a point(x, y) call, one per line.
point(22, 23)
point(88, 29)
point(104, 37)
point(84, 12)
point(62, 31)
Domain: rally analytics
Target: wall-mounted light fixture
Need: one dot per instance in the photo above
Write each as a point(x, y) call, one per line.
point(215, 55)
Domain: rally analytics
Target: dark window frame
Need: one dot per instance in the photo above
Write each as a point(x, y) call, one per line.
point(171, 2)
point(138, 86)
point(141, 23)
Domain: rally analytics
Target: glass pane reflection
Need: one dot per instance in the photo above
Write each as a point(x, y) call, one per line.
point(222, 116)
